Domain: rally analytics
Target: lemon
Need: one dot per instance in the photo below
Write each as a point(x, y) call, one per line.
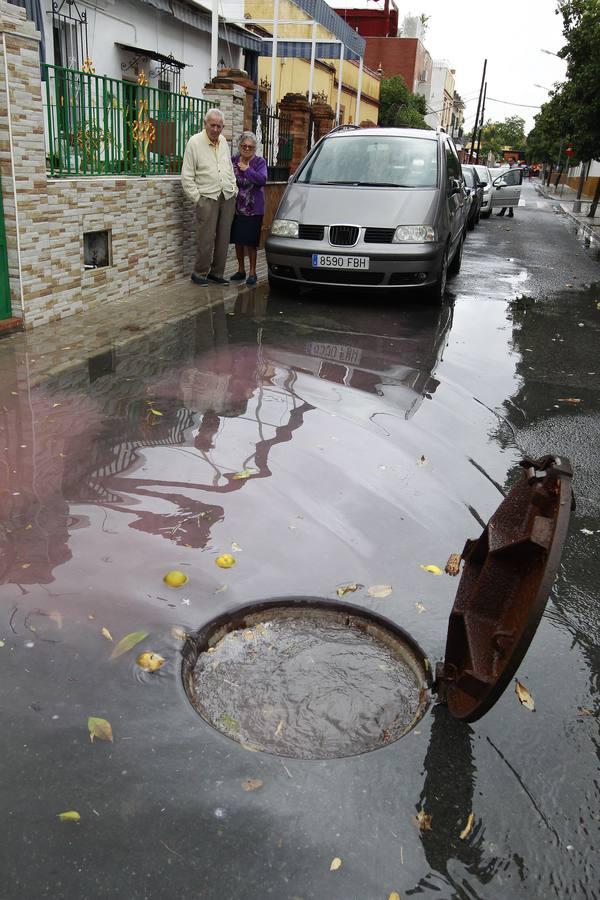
point(225, 561)
point(175, 578)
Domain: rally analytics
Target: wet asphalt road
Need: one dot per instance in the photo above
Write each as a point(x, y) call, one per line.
point(331, 402)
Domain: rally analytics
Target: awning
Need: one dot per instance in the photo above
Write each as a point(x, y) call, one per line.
point(153, 54)
point(303, 50)
point(329, 19)
point(201, 20)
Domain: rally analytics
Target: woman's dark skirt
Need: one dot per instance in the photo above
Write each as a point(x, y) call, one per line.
point(246, 230)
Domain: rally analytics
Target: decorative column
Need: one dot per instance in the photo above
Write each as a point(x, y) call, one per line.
point(296, 107)
point(229, 95)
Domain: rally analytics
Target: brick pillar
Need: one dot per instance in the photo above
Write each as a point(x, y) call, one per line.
point(296, 107)
point(323, 117)
point(231, 100)
point(23, 163)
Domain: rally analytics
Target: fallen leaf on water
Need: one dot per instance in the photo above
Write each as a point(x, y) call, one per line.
point(568, 400)
point(71, 815)
point(346, 589)
point(180, 634)
point(524, 696)
point(419, 607)
point(335, 864)
point(236, 547)
point(584, 711)
point(150, 662)
point(100, 728)
point(279, 728)
point(422, 461)
point(245, 473)
point(106, 633)
point(435, 570)
point(28, 527)
point(220, 590)
point(2, 643)
point(468, 827)
point(453, 564)
point(423, 820)
point(225, 561)
point(229, 723)
point(128, 642)
point(25, 565)
point(250, 747)
point(252, 784)
point(175, 578)
point(248, 634)
point(54, 405)
point(380, 590)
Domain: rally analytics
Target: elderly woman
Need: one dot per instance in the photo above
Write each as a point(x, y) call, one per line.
point(250, 174)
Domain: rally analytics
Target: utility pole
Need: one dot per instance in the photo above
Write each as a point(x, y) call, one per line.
point(481, 124)
point(473, 136)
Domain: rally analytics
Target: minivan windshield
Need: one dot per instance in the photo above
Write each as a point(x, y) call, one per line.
point(373, 160)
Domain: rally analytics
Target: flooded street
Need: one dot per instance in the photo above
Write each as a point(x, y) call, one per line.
point(320, 442)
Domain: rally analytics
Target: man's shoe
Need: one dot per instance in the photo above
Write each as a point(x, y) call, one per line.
point(511, 215)
point(199, 279)
point(216, 279)
point(500, 214)
point(251, 280)
point(239, 276)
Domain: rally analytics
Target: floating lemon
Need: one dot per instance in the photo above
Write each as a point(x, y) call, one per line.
point(175, 578)
point(150, 661)
point(225, 561)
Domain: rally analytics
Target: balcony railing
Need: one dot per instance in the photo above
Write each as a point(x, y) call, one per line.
point(97, 125)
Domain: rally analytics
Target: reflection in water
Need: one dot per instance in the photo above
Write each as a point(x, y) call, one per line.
point(156, 428)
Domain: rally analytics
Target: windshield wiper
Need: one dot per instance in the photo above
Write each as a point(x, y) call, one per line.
point(363, 183)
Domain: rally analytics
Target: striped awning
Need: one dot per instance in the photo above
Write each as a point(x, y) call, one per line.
point(303, 50)
point(197, 18)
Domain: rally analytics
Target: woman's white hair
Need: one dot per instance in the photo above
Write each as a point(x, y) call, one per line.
point(247, 136)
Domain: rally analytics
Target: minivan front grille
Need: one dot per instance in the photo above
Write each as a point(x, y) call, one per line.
point(311, 232)
point(379, 235)
point(342, 276)
point(343, 235)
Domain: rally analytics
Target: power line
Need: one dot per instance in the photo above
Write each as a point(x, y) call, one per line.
point(512, 103)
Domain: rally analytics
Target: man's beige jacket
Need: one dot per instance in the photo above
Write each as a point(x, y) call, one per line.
point(207, 169)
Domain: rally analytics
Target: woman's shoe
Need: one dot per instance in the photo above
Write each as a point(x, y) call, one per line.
point(239, 276)
point(251, 280)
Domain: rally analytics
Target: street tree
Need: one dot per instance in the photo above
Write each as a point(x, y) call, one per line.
point(495, 136)
point(399, 107)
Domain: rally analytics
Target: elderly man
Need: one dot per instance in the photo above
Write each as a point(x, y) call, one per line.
point(208, 181)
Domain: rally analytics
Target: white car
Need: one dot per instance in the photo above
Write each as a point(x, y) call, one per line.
point(506, 186)
point(484, 174)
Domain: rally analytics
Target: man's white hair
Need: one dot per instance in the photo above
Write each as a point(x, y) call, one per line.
point(214, 112)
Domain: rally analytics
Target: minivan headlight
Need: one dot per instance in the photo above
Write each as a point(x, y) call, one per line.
point(414, 234)
point(284, 228)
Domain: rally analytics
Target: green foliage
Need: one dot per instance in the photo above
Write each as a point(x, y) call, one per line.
point(495, 136)
point(398, 107)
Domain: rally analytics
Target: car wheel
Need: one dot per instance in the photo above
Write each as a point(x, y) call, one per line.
point(282, 286)
point(454, 267)
point(470, 225)
point(435, 294)
point(486, 214)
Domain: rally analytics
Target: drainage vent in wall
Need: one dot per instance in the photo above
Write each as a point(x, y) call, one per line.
point(96, 249)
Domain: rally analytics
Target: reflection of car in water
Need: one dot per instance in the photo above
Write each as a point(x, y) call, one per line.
point(397, 366)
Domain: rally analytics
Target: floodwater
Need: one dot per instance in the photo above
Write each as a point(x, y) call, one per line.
point(321, 442)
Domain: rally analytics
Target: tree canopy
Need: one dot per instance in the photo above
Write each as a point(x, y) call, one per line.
point(495, 136)
point(399, 107)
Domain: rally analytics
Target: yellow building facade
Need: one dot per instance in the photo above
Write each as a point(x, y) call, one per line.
point(292, 74)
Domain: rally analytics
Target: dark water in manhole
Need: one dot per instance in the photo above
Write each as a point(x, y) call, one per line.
point(313, 684)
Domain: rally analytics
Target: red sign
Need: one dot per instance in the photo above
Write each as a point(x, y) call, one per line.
point(569, 151)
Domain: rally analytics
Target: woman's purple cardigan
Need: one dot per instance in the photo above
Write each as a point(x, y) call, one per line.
point(254, 177)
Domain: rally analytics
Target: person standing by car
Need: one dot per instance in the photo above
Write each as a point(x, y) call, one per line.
point(251, 175)
point(208, 180)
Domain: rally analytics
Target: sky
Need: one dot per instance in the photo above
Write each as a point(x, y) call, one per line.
point(511, 38)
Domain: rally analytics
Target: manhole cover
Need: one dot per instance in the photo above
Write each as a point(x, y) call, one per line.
point(306, 678)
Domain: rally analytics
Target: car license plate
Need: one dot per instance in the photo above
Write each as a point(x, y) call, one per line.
point(337, 352)
point(330, 261)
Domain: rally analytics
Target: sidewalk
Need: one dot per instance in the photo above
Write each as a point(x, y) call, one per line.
point(60, 345)
point(566, 196)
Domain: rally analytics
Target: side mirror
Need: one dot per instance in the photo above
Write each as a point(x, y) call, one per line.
point(454, 186)
point(499, 182)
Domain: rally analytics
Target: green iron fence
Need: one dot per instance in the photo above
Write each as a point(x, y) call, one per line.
point(97, 125)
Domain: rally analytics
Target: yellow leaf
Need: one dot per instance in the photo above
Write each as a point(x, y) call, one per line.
point(155, 412)
point(100, 728)
point(394, 896)
point(70, 816)
point(435, 570)
point(150, 662)
point(335, 864)
point(175, 578)
point(54, 405)
point(28, 527)
point(250, 747)
point(225, 561)
point(252, 784)
point(524, 696)
point(128, 642)
point(423, 820)
point(568, 400)
point(245, 473)
point(380, 590)
point(346, 589)
point(248, 634)
point(468, 827)
point(453, 564)
point(106, 633)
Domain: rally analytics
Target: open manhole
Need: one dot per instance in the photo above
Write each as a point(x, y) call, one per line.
point(303, 677)
point(311, 678)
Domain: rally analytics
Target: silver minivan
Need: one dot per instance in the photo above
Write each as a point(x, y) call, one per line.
point(382, 208)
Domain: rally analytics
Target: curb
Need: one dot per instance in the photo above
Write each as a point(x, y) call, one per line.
point(589, 230)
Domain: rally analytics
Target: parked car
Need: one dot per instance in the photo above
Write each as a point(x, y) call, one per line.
point(474, 188)
point(506, 187)
point(484, 175)
point(377, 207)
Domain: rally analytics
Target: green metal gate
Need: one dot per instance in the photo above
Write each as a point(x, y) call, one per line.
point(5, 310)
